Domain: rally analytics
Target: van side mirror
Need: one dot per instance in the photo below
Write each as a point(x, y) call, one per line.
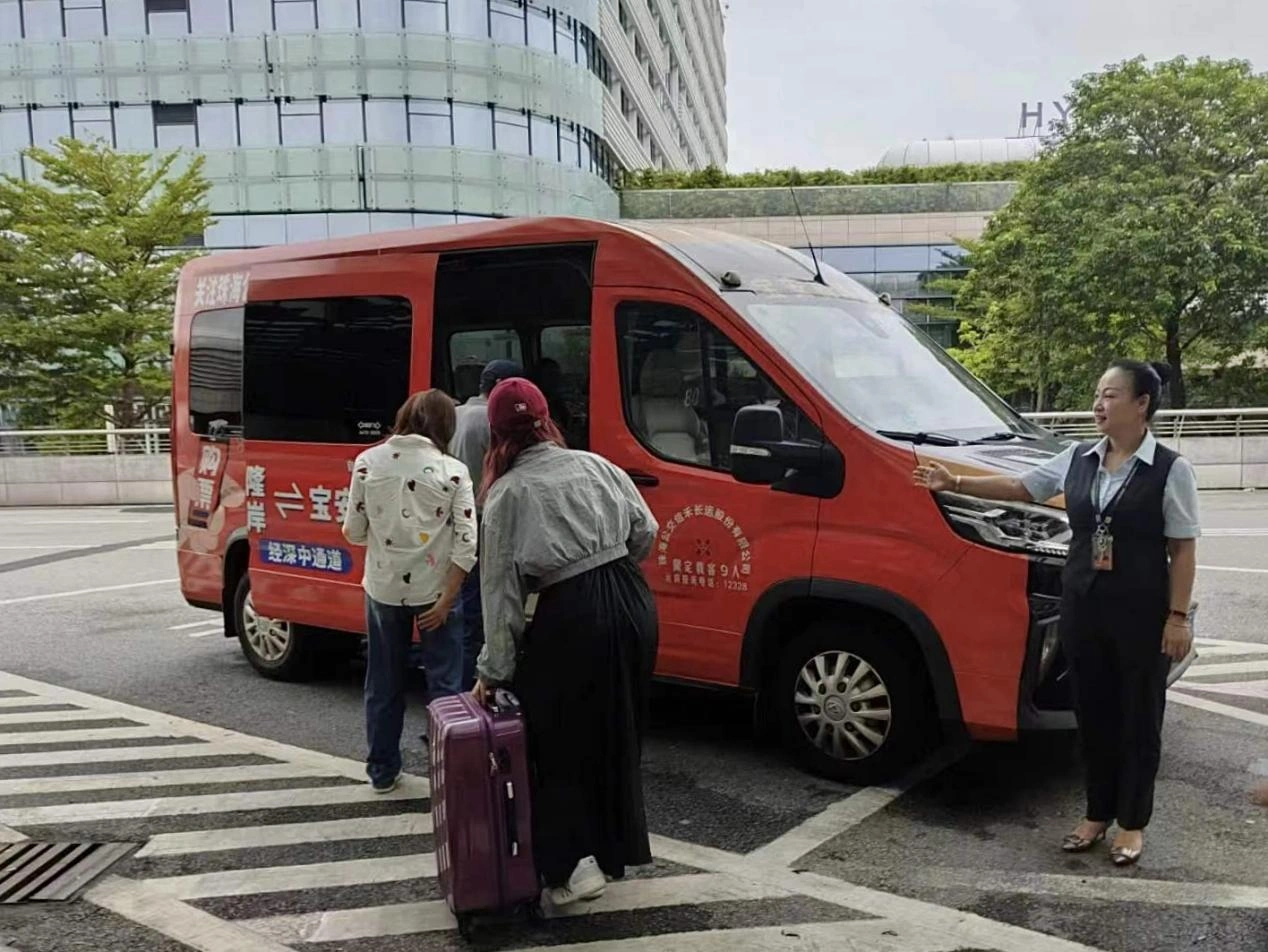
point(755, 439)
point(761, 456)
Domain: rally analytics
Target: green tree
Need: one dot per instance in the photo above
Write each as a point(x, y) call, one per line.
point(88, 269)
point(713, 177)
point(1141, 231)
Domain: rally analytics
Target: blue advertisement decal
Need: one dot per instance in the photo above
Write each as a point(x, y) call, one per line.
point(303, 555)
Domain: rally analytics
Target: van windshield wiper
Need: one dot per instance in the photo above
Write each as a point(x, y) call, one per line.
point(1005, 436)
point(933, 439)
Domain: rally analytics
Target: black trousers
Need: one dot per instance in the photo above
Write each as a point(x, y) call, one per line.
point(1120, 683)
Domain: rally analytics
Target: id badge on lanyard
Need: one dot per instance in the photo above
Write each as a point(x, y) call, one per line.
point(1103, 535)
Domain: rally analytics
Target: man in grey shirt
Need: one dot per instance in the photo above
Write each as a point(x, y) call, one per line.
point(470, 442)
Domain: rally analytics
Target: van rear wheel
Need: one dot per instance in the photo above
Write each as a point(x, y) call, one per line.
point(279, 650)
point(848, 705)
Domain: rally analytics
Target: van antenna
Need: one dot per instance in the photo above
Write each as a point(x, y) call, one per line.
point(813, 257)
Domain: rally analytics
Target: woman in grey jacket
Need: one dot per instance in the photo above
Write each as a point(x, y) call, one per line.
point(572, 527)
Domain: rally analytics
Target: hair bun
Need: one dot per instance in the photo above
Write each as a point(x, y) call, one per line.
point(1162, 369)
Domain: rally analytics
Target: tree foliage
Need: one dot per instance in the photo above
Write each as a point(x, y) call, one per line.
point(88, 269)
point(714, 177)
point(1142, 230)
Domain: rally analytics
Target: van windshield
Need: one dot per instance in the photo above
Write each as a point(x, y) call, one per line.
point(879, 369)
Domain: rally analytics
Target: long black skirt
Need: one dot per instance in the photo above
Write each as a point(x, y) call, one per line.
point(583, 681)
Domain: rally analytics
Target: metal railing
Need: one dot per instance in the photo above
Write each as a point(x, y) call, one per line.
point(1168, 424)
point(111, 442)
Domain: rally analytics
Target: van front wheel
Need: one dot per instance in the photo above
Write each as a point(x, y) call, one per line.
point(848, 706)
point(279, 650)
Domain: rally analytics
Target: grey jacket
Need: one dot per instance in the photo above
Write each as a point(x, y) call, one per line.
point(555, 515)
point(471, 436)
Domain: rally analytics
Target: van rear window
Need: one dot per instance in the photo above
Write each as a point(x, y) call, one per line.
point(331, 370)
point(215, 373)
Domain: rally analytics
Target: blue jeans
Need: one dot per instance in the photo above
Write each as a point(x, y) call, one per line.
point(472, 625)
point(390, 631)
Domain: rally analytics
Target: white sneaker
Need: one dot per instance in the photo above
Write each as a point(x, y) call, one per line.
point(587, 882)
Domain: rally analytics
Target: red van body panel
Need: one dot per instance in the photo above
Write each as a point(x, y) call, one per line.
point(723, 545)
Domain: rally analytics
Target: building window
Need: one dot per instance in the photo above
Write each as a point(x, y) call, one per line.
point(326, 371)
point(506, 22)
point(217, 126)
point(469, 17)
point(386, 122)
point(15, 132)
point(338, 15)
point(84, 18)
point(569, 144)
point(429, 122)
point(545, 138)
point(343, 122)
point(541, 28)
point(510, 132)
point(252, 16)
point(565, 37)
point(206, 17)
point(473, 127)
point(294, 15)
point(215, 373)
point(167, 17)
point(92, 124)
point(426, 16)
point(175, 126)
point(301, 122)
point(134, 128)
point(258, 125)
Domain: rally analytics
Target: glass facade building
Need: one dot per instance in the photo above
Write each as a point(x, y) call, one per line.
point(323, 118)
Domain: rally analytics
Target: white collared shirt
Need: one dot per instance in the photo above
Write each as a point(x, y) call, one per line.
point(1179, 498)
point(413, 507)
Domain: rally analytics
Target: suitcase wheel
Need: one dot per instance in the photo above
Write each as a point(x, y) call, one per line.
point(466, 924)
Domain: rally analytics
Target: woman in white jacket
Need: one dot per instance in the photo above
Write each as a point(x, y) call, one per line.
point(413, 506)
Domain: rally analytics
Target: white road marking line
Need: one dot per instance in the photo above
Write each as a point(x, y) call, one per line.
point(1214, 707)
point(86, 591)
point(55, 717)
point(850, 812)
point(1232, 533)
point(161, 778)
point(1228, 651)
point(176, 920)
point(1199, 670)
point(868, 935)
point(969, 929)
point(218, 630)
point(417, 917)
point(83, 736)
point(115, 755)
point(206, 803)
point(80, 522)
point(166, 725)
point(1249, 689)
point(35, 548)
point(197, 624)
point(1104, 888)
point(10, 835)
point(287, 834)
point(26, 702)
point(1231, 568)
point(267, 879)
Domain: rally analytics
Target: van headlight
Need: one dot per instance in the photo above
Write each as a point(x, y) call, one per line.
point(1012, 526)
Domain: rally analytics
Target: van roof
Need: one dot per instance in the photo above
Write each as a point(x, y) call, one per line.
point(709, 254)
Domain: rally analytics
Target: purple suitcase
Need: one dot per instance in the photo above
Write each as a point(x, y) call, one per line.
point(480, 805)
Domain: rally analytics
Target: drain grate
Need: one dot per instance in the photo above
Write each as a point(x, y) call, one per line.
point(54, 872)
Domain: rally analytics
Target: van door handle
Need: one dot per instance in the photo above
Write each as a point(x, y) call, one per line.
point(640, 478)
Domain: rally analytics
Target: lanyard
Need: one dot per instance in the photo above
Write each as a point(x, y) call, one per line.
point(1107, 514)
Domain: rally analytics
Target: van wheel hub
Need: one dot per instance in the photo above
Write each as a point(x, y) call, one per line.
point(843, 705)
point(268, 637)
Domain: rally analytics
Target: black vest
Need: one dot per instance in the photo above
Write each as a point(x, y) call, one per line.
point(1140, 581)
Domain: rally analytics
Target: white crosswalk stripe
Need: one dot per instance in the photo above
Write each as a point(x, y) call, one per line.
point(227, 832)
point(1235, 672)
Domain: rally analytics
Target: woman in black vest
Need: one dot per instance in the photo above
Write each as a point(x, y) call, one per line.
point(1127, 589)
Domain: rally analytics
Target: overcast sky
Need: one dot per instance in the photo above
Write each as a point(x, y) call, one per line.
point(819, 83)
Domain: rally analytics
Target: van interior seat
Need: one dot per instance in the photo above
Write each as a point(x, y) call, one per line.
point(661, 412)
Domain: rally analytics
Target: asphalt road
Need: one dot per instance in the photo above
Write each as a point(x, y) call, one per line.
point(88, 603)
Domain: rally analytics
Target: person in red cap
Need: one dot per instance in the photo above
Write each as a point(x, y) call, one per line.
point(572, 527)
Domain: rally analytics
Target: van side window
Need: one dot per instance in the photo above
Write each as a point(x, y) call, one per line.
point(469, 351)
point(331, 370)
point(683, 381)
point(563, 373)
point(215, 373)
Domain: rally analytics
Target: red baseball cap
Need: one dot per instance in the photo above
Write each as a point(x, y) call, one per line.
point(517, 404)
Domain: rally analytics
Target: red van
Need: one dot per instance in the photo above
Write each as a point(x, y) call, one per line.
point(771, 414)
